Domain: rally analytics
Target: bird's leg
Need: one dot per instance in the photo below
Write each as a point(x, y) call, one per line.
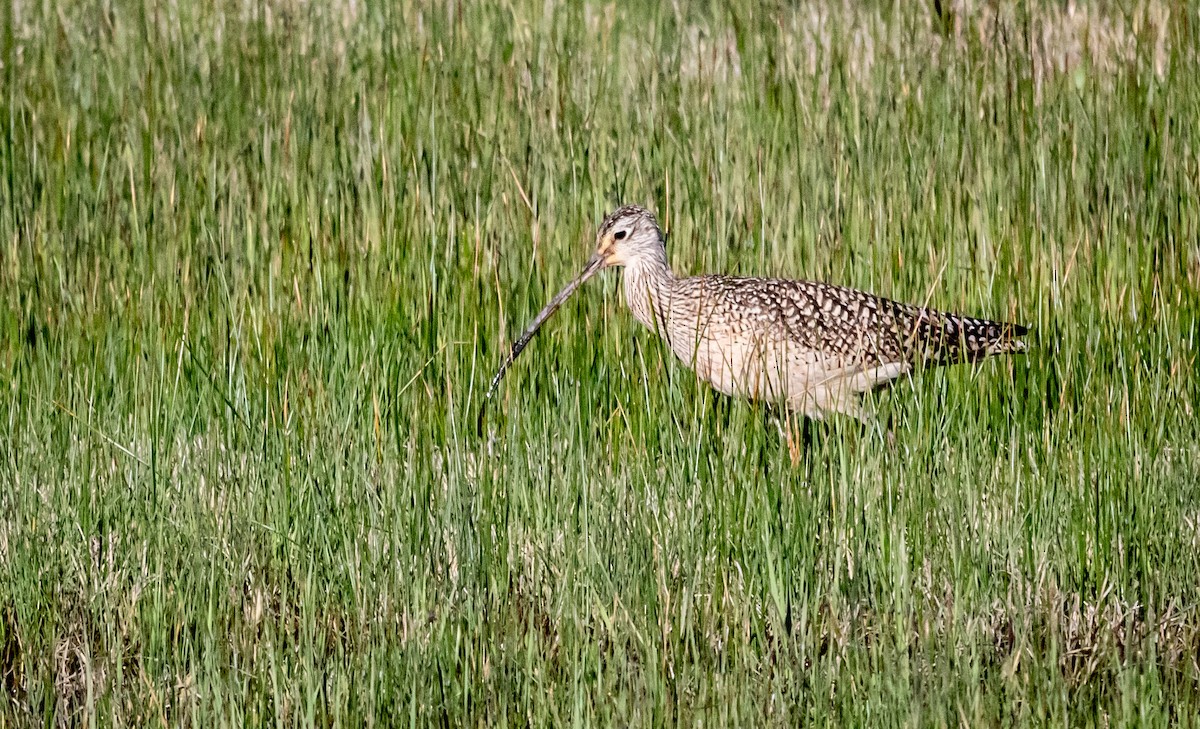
point(793, 442)
point(881, 426)
point(783, 423)
point(889, 433)
point(798, 439)
point(866, 414)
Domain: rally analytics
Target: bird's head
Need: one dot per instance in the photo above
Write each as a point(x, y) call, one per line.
point(628, 236)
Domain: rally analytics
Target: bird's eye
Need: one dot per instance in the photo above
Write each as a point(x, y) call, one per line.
point(619, 235)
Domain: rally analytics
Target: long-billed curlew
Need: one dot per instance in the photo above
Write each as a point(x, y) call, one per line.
point(812, 346)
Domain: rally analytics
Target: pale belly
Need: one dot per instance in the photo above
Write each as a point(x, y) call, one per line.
point(763, 369)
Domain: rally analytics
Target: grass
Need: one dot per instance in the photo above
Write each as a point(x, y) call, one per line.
point(259, 260)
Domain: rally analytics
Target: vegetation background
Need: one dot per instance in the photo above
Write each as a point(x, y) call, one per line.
point(257, 261)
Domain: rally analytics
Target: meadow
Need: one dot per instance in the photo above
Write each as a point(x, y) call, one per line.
point(258, 262)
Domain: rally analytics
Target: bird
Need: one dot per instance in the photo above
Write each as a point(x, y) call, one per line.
point(813, 347)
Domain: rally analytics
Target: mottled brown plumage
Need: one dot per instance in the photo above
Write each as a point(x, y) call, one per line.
point(849, 323)
point(813, 346)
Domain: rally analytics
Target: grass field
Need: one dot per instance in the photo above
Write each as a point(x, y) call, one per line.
point(258, 262)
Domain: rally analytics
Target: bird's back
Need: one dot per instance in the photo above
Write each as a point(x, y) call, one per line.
point(838, 322)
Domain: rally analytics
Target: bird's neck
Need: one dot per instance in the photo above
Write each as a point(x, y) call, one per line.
point(648, 285)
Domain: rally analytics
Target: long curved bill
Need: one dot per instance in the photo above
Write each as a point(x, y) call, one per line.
point(594, 265)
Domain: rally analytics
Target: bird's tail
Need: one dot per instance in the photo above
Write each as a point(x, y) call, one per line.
point(948, 338)
point(979, 338)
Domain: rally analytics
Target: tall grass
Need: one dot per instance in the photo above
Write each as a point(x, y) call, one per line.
point(258, 261)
